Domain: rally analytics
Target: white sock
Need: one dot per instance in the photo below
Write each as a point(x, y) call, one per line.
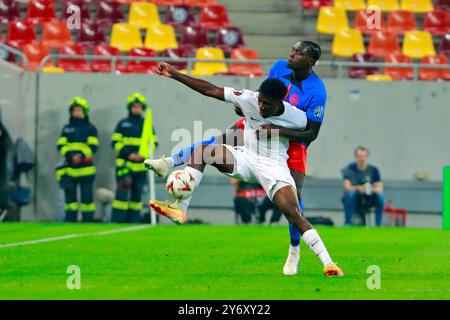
point(312, 239)
point(197, 175)
point(295, 249)
point(170, 162)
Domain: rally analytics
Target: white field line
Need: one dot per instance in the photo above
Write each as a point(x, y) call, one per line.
point(73, 236)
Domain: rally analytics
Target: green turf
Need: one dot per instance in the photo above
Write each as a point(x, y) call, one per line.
point(220, 262)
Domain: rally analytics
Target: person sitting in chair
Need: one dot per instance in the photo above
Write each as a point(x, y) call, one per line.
point(363, 188)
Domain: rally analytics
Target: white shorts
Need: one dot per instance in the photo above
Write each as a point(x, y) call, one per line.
point(270, 174)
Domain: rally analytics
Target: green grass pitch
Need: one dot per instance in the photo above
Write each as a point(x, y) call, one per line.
point(219, 262)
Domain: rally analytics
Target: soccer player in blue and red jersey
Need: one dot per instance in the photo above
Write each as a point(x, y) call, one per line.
point(307, 92)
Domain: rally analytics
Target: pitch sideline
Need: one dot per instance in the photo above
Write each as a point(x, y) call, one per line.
point(73, 236)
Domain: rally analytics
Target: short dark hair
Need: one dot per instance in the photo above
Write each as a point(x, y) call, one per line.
point(312, 50)
point(273, 88)
point(361, 148)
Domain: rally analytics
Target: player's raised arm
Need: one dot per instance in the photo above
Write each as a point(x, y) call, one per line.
point(202, 86)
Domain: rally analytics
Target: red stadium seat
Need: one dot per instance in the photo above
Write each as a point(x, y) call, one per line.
point(316, 4)
point(245, 69)
point(383, 43)
point(185, 52)
point(399, 73)
point(401, 22)
point(91, 34)
point(442, 4)
point(56, 34)
point(105, 65)
point(214, 17)
point(20, 33)
point(180, 15)
point(40, 11)
point(109, 13)
point(199, 3)
point(434, 74)
point(74, 65)
point(35, 52)
point(228, 38)
point(9, 11)
point(136, 66)
point(85, 16)
point(437, 22)
point(194, 37)
point(361, 72)
point(445, 45)
point(361, 18)
point(167, 2)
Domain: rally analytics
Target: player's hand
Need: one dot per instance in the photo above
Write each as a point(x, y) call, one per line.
point(238, 111)
point(267, 130)
point(77, 158)
point(165, 69)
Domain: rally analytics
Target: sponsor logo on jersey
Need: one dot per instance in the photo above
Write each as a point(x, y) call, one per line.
point(318, 112)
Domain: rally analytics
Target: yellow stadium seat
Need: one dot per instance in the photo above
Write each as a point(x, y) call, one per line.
point(417, 6)
point(51, 69)
point(161, 37)
point(125, 36)
point(384, 5)
point(350, 5)
point(331, 20)
point(378, 77)
point(143, 15)
point(348, 42)
point(209, 68)
point(418, 44)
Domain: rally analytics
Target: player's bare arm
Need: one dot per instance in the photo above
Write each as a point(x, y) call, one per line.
point(204, 87)
point(309, 134)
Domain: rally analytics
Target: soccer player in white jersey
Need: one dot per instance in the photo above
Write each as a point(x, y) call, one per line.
point(262, 159)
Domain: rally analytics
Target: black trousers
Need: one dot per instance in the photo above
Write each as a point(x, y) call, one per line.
point(127, 205)
point(71, 204)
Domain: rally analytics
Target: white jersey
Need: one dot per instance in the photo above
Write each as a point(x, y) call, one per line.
point(275, 147)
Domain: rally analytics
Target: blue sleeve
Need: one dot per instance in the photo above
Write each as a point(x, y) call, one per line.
point(316, 109)
point(376, 175)
point(272, 72)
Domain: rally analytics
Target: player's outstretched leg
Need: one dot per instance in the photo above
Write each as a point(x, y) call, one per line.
point(290, 267)
point(216, 155)
point(286, 199)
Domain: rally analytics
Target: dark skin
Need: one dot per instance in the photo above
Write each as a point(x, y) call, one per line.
point(219, 156)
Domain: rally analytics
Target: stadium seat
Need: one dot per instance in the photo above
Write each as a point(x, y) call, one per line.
point(180, 16)
point(445, 45)
point(194, 37)
point(52, 69)
point(245, 69)
point(400, 22)
point(428, 74)
point(418, 44)
point(214, 17)
point(20, 33)
point(56, 35)
point(178, 53)
point(91, 34)
point(443, 4)
point(417, 6)
point(160, 37)
point(437, 22)
point(143, 15)
point(362, 72)
point(35, 52)
point(136, 66)
point(331, 20)
point(74, 65)
point(199, 3)
point(9, 11)
point(228, 38)
point(105, 65)
point(316, 4)
point(350, 5)
point(397, 73)
point(209, 68)
point(384, 5)
point(125, 36)
point(347, 43)
point(361, 18)
point(40, 11)
point(167, 2)
point(85, 15)
point(109, 13)
point(378, 77)
point(383, 43)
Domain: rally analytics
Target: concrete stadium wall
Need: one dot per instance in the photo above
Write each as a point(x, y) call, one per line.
point(404, 124)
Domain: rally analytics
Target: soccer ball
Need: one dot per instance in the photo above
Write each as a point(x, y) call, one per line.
point(180, 184)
